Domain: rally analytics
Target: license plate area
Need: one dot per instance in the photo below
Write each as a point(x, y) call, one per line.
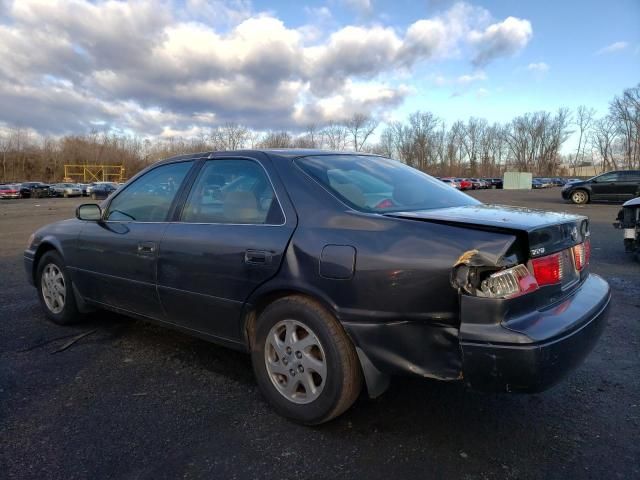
point(570, 276)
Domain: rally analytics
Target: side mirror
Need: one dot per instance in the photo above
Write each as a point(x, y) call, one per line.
point(89, 212)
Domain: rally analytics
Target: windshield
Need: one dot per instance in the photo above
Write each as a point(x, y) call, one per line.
point(381, 185)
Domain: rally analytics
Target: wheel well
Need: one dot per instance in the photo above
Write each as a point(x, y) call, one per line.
point(263, 301)
point(581, 190)
point(42, 249)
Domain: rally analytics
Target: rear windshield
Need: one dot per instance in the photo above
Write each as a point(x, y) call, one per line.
point(380, 185)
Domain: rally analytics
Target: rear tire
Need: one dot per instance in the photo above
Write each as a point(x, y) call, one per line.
point(304, 362)
point(580, 197)
point(55, 290)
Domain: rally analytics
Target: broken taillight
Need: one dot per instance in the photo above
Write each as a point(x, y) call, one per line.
point(581, 254)
point(509, 283)
point(548, 270)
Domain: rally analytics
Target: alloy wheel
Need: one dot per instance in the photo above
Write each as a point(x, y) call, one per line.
point(579, 196)
point(295, 361)
point(54, 290)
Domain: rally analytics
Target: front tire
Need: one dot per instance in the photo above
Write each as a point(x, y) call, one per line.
point(305, 365)
point(55, 290)
point(580, 197)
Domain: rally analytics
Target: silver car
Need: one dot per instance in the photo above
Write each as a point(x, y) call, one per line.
point(66, 190)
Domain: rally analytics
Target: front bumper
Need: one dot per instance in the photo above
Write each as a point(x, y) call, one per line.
point(566, 193)
point(536, 350)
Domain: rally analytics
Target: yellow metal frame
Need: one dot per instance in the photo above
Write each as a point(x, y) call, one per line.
point(94, 173)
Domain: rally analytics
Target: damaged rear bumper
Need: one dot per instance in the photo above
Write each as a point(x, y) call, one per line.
point(530, 352)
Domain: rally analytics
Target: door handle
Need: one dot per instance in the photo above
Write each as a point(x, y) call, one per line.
point(146, 248)
point(257, 257)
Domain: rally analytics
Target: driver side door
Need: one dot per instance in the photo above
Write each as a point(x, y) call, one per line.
point(116, 257)
point(605, 187)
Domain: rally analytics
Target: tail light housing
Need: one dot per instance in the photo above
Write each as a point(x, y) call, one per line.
point(581, 254)
point(548, 270)
point(509, 283)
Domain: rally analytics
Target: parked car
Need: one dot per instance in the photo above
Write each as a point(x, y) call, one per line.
point(616, 186)
point(34, 190)
point(102, 191)
point(629, 221)
point(476, 183)
point(536, 183)
point(451, 182)
point(464, 183)
point(333, 270)
point(65, 190)
point(494, 182)
point(9, 191)
point(92, 185)
point(83, 188)
point(558, 182)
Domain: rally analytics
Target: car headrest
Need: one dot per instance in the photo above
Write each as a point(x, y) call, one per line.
point(241, 207)
point(351, 193)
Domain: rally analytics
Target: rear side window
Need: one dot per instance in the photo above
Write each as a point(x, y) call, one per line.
point(375, 184)
point(149, 198)
point(233, 192)
point(631, 176)
point(609, 177)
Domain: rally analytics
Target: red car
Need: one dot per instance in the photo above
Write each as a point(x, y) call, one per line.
point(9, 191)
point(464, 183)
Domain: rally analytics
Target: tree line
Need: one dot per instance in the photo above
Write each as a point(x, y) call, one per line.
point(530, 142)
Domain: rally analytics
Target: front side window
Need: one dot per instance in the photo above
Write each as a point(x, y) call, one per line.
point(232, 191)
point(149, 198)
point(380, 185)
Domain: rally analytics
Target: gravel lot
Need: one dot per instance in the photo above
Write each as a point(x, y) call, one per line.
point(132, 400)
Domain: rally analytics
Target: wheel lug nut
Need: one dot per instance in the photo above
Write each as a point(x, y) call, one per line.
point(300, 368)
point(285, 361)
point(292, 372)
point(289, 350)
point(298, 354)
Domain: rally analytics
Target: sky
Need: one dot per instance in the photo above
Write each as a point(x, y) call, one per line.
point(181, 67)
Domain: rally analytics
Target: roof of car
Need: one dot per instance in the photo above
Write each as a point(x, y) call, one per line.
point(273, 152)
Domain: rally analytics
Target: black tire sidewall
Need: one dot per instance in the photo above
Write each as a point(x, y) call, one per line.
point(69, 313)
point(321, 408)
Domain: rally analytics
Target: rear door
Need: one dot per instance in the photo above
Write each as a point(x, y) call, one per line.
point(629, 185)
point(116, 257)
point(230, 237)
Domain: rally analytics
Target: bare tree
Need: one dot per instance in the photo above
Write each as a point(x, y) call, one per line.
point(230, 136)
point(276, 140)
point(336, 136)
point(604, 136)
point(360, 127)
point(584, 121)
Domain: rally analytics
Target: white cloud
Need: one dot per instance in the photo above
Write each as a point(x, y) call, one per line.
point(157, 67)
point(500, 39)
point(613, 48)
point(539, 67)
point(471, 78)
point(482, 92)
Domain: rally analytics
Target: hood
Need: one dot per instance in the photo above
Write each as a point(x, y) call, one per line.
point(576, 184)
point(546, 232)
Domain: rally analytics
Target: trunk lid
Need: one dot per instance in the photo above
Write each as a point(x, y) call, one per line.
point(543, 232)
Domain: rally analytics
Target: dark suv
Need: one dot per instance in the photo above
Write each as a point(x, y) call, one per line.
point(617, 186)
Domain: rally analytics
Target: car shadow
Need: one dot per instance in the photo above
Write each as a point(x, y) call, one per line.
point(407, 398)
